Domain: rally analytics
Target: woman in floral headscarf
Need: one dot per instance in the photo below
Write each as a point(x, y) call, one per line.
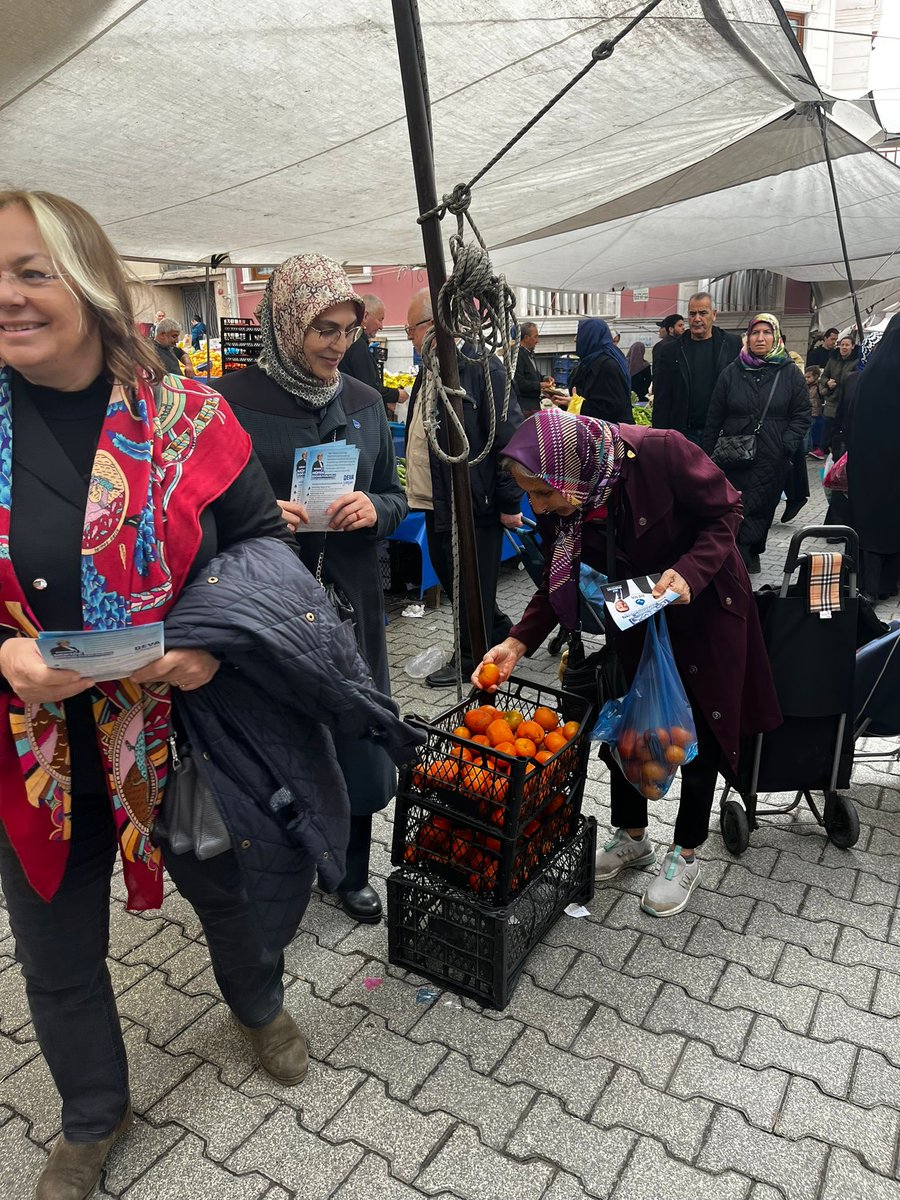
point(675, 515)
point(295, 397)
point(763, 375)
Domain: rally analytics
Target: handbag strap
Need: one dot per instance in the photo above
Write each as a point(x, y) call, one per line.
point(768, 402)
point(575, 635)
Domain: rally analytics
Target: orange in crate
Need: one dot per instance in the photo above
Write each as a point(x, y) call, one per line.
point(546, 718)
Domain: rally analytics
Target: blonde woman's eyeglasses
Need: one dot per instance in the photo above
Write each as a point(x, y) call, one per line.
point(29, 279)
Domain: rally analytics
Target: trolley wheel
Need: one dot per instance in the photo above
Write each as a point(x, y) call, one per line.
point(557, 642)
point(841, 821)
point(735, 827)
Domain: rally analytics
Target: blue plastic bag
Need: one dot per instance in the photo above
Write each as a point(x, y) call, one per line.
point(650, 730)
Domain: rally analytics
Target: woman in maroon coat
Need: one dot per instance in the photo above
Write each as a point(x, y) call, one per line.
point(674, 512)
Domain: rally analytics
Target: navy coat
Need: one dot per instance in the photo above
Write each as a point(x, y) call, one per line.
point(291, 680)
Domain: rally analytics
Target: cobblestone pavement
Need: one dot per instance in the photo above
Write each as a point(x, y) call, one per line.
point(747, 1049)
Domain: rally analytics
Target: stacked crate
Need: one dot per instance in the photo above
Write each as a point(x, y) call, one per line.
point(490, 849)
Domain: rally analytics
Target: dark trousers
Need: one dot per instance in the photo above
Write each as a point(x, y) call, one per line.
point(796, 486)
point(698, 790)
point(358, 848)
point(488, 546)
point(62, 946)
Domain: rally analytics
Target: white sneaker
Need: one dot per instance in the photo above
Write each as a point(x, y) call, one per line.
point(670, 891)
point(624, 851)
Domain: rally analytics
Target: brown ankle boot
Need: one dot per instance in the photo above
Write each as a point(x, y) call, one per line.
point(73, 1169)
point(280, 1048)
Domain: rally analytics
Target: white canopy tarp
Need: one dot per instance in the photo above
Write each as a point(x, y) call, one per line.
point(262, 128)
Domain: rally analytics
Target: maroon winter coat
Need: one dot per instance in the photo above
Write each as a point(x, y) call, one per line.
point(674, 508)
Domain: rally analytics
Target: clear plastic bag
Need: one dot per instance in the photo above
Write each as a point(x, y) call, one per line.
point(650, 730)
point(426, 661)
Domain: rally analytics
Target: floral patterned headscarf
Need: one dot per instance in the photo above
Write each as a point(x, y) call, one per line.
point(777, 356)
point(581, 458)
point(299, 291)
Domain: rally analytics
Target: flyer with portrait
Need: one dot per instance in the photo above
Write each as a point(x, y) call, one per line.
point(630, 601)
point(322, 474)
point(102, 655)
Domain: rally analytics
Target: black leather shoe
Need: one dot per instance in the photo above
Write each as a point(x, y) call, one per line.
point(792, 508)
point(363, 905)
point(753, 565)
point(445, 677)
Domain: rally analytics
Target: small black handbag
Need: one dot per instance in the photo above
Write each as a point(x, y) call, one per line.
point(739, 449)
point(189, 819)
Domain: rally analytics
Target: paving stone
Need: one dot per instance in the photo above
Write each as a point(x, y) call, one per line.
point(884, 843)
point(875, 1081)
point(791, 868)
point(220, 1115)
point(611, 946)
point(462, 1029)
point(674, 932)
point(215, 1038)
point(294, 1158)
point(160, 947)
point(14, 1012)
point(594, 1155)
point(492, 1107)
point(784, 895)
point(325, 921)
point(177, 910)
point(153, 1072)
point(759, 955)
point(651, 1170)
point(806, 845)
point(676, 1012)
point(870, 1132)
point(372, 1180)
point(135, 1153)
point(128, 930)
point(698, 976)
point(834, 1016)
point(322, 1093)
point(872, 890)
point(872, 919)
point(830, 1064)
point(164, 1011)
point(887, 995)
point(324, 1025)
point(31, 1093)
point(565, 1187)
point(758, 1093)
point(576, 1081)
point(394, 1001)
point(730, 909)
point(629, 1104)
point(792, 1006)
point(13, 1054)
point(368, 940)
point(855, 984)
point(184, 1173)
point(855, 948)
point(124, 975)
point(818, 936)
point(397, 1062)
point(652, 1055)
point(189, 962)
point(560, 1016)
point(795, 1168)
point(631, 997)
point(21, 1161)
point(546, 965)
point(388, 1127)
point(847, 1178)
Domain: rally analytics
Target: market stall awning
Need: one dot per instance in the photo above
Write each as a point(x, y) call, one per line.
point(261, 128)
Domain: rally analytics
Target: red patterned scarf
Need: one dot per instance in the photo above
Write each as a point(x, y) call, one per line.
point(153, 475)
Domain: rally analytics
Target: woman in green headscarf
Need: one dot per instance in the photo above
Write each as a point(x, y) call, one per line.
point(761, 384)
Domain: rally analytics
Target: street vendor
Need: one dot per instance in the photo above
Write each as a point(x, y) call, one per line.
point(674, 514)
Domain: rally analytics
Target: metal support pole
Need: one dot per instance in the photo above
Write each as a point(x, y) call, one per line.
point(418, 120)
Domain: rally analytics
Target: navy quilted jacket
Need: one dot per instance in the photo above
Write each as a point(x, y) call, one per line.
point(291, 677)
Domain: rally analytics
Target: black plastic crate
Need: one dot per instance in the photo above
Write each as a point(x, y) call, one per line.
point(495, 791)
point(439, 932)
point(483, 860)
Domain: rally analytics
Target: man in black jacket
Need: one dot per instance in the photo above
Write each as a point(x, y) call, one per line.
point(358, 360)
point(528, 378)
point(687, 369)
point(670, 327)
point(496, 500)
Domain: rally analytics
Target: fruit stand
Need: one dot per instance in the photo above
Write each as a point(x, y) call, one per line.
point(489, 838)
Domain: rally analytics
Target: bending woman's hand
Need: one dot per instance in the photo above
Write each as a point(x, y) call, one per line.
point(671, 581)
point(184, 669)
point(30, 677)
point(504, 657)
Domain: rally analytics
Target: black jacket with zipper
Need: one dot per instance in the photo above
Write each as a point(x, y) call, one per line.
point(672, 378)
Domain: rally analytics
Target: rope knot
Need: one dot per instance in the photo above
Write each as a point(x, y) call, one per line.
point(459, 200)
point(603, 51)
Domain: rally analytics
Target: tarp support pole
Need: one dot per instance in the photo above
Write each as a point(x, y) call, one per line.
point(418, 121)
point(823, 126)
